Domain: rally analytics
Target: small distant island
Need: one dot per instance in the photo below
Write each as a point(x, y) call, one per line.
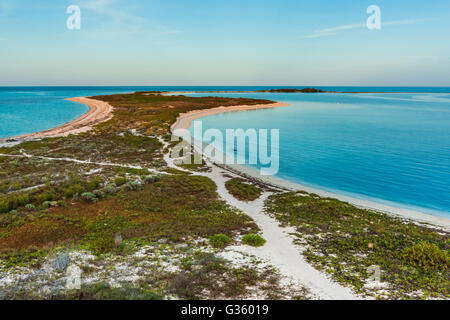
point(294, 90)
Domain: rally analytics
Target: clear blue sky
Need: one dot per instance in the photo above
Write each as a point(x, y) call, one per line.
point(232, 42)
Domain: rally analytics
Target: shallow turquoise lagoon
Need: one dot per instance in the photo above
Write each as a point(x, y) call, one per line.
point(391, 148)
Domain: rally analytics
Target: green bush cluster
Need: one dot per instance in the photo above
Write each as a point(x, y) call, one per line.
point(253, 240)
point(72, 190)
point(110, 188)
point(133, 185)
point(152, 178)
point(426, 256)
point(45, 199)
point(88, 197)
point(30, 206)
point(219, 240)
point(242, 191)
point(119, 181)
point(99, 194)
point(13, 202)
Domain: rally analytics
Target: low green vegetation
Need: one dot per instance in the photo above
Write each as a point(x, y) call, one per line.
point(427, 257)
point(189, 163)
point(219, 241)
point(253, 240)
point(349, 243)
point(173, 208)
point(242, 190)
point(103, 291)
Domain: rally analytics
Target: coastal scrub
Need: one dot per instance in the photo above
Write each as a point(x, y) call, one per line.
point(353, 244)
point(242, 190)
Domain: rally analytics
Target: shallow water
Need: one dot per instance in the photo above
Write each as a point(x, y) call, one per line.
point(389, 148)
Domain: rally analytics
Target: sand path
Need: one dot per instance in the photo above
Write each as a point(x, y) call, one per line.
point(279, 250)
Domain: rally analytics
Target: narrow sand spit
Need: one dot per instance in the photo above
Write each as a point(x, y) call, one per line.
point(184, 120)
point(99, 111)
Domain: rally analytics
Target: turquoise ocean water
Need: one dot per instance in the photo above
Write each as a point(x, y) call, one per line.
point(392, 148)
point(388, 148)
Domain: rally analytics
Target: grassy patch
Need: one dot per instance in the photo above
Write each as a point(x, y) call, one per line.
point(253, 240)
point(242, 190)
point(173, 208)
point(103, 291)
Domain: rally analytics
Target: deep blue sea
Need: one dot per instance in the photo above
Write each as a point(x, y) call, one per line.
point(392, 148)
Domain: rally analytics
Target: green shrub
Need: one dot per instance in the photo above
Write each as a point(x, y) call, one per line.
point(119, 181)
point(61, 203)
point(219, 240)
point(4, 206)
point(133, 185)
point(242, 191)
point(101, 245)
point(110, 188)
point(99, 194)
point(94, 183)
point(426, 256)
point(13, 202)
point(44, 205)
point(70, 191)
point(88, 197)
point(253, 240)
point(47, 196)
point(152, 178)
point(30, 206)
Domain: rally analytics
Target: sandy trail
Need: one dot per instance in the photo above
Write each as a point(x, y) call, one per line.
point(110, 164)
point(279, 250)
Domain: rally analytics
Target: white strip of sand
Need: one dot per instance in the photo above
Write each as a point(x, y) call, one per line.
point(184, 120)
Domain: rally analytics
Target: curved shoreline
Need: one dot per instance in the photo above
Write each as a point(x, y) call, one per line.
point(184, 120)
point(99, 111)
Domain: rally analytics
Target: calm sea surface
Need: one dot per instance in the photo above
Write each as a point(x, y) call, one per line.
point(392, 148)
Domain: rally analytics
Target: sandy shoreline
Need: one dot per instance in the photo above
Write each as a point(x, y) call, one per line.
point(252, 91)
point(184, 121)
point(99, 111)
point(409, 214)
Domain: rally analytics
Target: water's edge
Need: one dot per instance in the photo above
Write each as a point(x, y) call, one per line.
point(398, 212)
